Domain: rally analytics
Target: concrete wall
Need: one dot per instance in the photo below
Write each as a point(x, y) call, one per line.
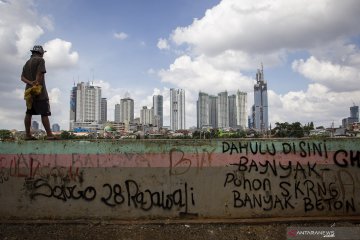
point(159, 179)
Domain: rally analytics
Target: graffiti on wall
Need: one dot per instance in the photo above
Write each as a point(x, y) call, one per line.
point(128, 194)
point(271, 184)
point(259, 176)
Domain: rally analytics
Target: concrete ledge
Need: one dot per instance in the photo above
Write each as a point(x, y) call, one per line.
point(235, 180)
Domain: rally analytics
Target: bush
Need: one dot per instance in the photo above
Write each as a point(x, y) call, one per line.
point(5, 134)
point(66, 135)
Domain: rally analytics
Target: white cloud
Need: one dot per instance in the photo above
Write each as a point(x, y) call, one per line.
point(334, 76)
point(238, 60)
point(200, 75)
point(27, 35)
point(340, 51)
point(59, 54)
point(163, 44)
point(317, 104)
point(54, 95)
point(121, 35)
point(105, 86)
point(263, 26)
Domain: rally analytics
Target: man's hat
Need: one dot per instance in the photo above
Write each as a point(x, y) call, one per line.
point(38, 48)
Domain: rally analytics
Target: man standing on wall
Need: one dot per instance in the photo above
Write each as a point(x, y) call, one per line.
point(33, 74)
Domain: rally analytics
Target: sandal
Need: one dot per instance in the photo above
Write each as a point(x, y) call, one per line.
point(30, 138)
point(51, 138)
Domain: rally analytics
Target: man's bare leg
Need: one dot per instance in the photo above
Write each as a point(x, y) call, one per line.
point(27, 123)
point(46, 123)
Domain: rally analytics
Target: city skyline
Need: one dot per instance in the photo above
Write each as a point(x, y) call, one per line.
point(312, 68)
point(222, 111)
point(88, 108)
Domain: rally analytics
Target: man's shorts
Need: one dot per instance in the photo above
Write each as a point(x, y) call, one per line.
point(40, 108)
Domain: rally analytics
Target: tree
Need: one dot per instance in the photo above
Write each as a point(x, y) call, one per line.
point(240, 133)
point(307, 128)
point(282, 130)
point(296, 130)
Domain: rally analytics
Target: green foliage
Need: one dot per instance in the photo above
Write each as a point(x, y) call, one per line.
point(5, 134)
point(218, 133)
point(196, 134)
point(66, 135)
point(203, 134)
point(307, 128)
point(294, 130)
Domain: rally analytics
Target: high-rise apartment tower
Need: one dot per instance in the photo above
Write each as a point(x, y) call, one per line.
point(126, 110)
point(223, 110)
point(117, 113)
point(72, 106)
point(177, 109)
point(146, 115)
point(241, 106)
point(158, 110)
point(203, 110)
point(103, 110)
point(88, 103)
point(260, 102)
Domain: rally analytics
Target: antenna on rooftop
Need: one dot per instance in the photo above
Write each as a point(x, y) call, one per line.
point(92, 72)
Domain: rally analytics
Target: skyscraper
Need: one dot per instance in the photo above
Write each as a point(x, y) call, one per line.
point(177, 109)
point(72, 106)
point(158, 110)
point(232, 111)
point(117, 113)
point(126, 110)
point(354, 117)
point(354, 113)
point(213, 111)
point(146, 115)
point(34, 125)
point(103, 110)
point(261, 102)
point(88, 103)
point(223, 110)
point(55, 127)
point(241, 105)
point(202, 110)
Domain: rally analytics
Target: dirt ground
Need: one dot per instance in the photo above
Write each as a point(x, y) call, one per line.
point(163, 231)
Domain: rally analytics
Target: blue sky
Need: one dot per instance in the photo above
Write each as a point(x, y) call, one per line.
point(91, 25)
point(310, 52)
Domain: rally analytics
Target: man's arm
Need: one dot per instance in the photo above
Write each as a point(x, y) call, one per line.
point(27, 81)
point(40, 77)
